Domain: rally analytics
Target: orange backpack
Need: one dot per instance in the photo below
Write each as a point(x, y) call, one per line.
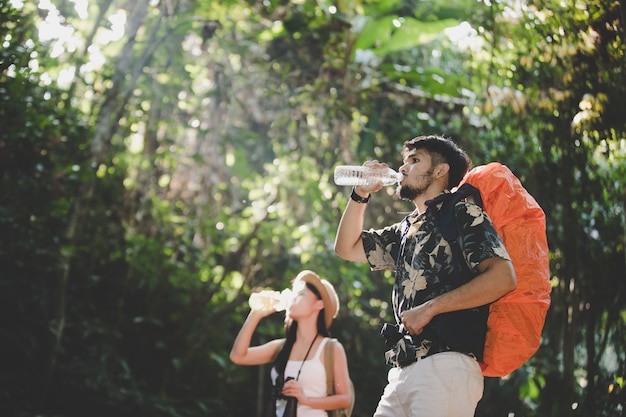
point(516, 320)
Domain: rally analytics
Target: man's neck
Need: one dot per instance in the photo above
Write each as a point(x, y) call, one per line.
point(420, 200)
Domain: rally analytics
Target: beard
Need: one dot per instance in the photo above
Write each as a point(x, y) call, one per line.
point(408, 192)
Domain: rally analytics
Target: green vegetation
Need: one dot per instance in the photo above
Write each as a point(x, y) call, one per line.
point(161, 160)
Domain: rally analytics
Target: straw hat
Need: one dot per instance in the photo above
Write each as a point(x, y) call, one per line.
point(326, 290)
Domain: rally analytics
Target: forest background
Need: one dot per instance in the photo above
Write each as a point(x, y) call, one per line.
point(161, 160)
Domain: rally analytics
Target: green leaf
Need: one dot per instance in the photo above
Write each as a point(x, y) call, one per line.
point(393, 33)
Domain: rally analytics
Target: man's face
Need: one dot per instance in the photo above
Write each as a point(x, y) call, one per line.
point(418, 171)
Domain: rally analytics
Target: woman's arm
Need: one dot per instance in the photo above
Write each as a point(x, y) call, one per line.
point(241, 352)
point(343, 387)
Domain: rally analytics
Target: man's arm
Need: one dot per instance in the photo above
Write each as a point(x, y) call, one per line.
point(348, 242)
point(496, 278)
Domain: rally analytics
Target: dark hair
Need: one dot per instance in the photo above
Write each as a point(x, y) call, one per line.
point(292, 329)
point(442, 150)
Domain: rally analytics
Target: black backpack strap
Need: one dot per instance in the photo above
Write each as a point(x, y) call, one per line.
point(445, 218)
point(462, 330)
point(446, 221)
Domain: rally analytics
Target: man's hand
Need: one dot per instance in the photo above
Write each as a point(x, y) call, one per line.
point(415, 319)
point(348, 243)
point(496, 278)
point(365, 190)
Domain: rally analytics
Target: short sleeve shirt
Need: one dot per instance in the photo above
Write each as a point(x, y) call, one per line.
point(422, 258)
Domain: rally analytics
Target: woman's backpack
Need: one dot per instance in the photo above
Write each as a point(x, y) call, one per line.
point(329, 358)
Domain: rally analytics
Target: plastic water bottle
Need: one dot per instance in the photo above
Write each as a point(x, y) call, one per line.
point(361, 175)
point(267, 300)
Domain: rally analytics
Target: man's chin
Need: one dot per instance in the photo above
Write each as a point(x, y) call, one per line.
point(406, 193)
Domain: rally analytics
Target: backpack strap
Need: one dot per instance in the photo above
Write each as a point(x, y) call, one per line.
point(329, 359)
point(456, 329)
point(446, 219)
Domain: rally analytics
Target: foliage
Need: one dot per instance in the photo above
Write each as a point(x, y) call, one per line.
point(159, 161)
point(570, 98)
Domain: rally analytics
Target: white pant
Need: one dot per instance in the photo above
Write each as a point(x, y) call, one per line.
point(447, 384)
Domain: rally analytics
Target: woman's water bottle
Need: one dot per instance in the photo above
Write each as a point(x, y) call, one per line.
point(267, 300)
point(362, 175)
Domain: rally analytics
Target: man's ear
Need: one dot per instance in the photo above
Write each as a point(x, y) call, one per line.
point(442, 169)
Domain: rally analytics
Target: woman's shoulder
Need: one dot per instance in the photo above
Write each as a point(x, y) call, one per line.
point(333, 345)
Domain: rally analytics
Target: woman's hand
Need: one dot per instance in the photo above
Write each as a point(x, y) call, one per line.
point(293, 388)
point(260, 314)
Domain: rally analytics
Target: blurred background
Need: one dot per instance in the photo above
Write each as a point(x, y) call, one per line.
point(162, 159)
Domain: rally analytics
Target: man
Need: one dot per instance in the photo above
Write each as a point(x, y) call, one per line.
point(438, 339)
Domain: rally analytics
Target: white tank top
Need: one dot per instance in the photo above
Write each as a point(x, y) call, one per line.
point(313, 380)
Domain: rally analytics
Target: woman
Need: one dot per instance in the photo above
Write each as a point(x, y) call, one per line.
point(298, 369)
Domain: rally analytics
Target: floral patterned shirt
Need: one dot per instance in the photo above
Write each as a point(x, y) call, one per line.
point(422, 258)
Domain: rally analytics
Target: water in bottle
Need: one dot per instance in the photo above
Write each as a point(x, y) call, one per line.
point(362, 175)
point(267, 300)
